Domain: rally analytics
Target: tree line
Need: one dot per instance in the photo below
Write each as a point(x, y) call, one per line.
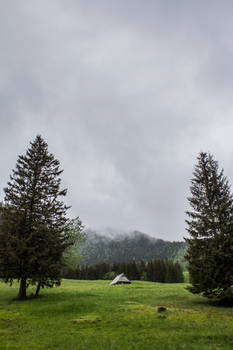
point(128, 247)
point(155, 270)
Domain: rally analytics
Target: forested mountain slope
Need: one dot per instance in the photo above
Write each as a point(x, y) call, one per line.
point(127, 247)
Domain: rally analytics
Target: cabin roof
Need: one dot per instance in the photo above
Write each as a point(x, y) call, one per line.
point(120, 279)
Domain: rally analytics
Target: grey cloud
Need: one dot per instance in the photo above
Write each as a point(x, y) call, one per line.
point(126, 95)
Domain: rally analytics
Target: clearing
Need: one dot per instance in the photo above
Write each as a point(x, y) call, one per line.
point(87, 315)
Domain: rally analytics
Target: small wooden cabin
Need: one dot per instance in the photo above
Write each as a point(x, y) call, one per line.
point(120, 279)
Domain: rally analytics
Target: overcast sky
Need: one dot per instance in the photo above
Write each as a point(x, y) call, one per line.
point(126, 93)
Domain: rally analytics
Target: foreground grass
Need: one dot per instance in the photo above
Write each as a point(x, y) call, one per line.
point(93, 315)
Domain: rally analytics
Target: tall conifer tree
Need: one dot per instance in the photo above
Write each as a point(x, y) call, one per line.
point(210, 225)
point(33, 221)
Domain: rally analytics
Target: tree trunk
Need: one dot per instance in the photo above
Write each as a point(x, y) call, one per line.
point(37, 289)
point(22, 289)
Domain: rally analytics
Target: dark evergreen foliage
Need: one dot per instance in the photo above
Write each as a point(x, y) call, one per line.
point(32, 238)
point(156, 270)
point(137, 246)
point(210, 225)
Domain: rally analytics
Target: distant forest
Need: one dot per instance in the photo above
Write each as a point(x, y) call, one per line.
point(136, 246)
point(157, 270)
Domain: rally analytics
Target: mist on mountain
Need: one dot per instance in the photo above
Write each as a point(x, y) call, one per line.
point(111, 246)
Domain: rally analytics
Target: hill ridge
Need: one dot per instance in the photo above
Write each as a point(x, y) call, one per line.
point(128, 246)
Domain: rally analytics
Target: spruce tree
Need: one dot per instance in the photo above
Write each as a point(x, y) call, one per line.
point(33, 220)
point(210, 226)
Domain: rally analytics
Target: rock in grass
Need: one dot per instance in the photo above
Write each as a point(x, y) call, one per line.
point(161, 309)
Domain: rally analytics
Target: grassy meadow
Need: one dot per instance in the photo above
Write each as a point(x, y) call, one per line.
point(93, 315)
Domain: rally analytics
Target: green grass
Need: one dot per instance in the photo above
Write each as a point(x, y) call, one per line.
point(93, 315)
point(186, 276)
